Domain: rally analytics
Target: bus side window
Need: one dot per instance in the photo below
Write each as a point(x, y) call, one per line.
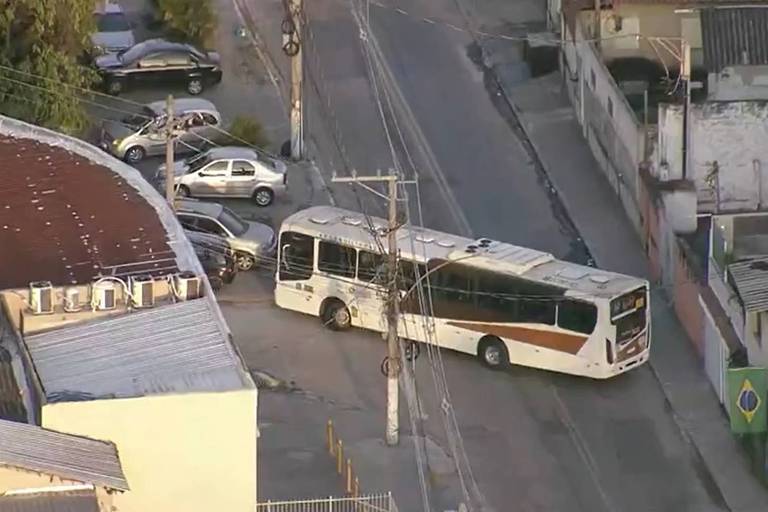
point(577, 316)
point(408, 278)
point(371, 267)
point(297, 256)
point(337, 259)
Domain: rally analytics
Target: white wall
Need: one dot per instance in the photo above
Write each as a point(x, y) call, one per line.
point(180, 453)
point(738, 83)
point(733, 134)
point(614, 134)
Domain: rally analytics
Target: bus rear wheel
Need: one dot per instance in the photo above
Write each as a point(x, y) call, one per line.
point(336, 315)
point(493, 353)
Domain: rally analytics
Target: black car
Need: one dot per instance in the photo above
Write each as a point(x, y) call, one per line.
point(158, 62)
point(219, 266)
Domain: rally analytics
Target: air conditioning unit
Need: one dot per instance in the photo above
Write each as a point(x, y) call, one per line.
point(104, 296)
point(72, 300)
point(187, 286)
point(41, 297)
point(143, 291)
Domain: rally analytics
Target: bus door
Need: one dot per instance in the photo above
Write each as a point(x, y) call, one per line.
point(370, 291)
point(295, 286)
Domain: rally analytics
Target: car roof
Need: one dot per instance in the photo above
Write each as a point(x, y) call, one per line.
point(159, 44)
point(243, 152)
point(199, 207)
point(108, 8)
point(182, 105)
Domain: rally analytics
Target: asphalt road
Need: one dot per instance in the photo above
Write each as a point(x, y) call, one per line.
point(536, 441)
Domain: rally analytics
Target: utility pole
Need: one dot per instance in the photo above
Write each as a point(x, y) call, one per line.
point(598, 32)
point(392, 363)
point(169, 168)
point(293, 42)
point(685, 72)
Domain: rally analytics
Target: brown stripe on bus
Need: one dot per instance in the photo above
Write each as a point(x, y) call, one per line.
point(562, 342)
point(631, 349)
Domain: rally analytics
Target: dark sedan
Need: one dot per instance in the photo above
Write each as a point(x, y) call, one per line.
point(157, 62)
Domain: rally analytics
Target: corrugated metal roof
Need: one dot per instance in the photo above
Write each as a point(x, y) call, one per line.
point(73, 501)
point(71, 457)
point(750, 278)
point(178, 348)
point(734, 36)
point(72, 212)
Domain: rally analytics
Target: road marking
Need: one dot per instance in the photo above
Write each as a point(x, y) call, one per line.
point(581, 448)
point(421, 141)
point(261, 52)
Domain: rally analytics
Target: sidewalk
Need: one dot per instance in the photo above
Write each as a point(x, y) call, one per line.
point(550, 122)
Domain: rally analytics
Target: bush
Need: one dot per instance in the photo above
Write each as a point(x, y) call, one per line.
point(189, 20)
point(249, 130)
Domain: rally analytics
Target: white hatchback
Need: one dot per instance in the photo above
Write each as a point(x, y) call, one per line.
point(229, 171)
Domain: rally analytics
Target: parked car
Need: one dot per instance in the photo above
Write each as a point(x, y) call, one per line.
point(157, 62)
point(217, 259)
point(251, 242)
point(228, 171)
point(113, 30)
point(136, 136)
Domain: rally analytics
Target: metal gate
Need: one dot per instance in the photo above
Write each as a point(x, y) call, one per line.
point(370, 503)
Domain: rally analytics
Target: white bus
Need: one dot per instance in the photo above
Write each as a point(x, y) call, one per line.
point(503, 303)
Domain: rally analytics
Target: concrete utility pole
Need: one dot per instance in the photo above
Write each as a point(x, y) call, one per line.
point(169, 170)
point(294, 49)
point(392, 362)
point(685, 72)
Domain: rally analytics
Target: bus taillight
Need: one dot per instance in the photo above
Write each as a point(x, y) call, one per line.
point(609, 351)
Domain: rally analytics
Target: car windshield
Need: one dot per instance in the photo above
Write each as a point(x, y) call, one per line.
point(233, 222)
point(139, 118)
point(133, 53)
point(112, 22)
point(198, 161)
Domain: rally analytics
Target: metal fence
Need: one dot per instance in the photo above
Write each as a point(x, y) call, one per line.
point(371, 503)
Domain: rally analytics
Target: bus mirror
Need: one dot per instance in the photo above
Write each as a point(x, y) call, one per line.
point(283, 255)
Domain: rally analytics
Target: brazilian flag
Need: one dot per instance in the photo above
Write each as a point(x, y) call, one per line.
point(747, 395)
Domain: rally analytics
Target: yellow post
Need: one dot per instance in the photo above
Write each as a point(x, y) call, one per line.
point(329, 433)
point(339, 456)
point(349, 476)
point(356, 492)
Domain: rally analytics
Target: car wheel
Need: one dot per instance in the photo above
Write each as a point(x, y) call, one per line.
point(183, 191)
point(135, 154)
point(263, 197)
point(245, 261)
point(336, 316)
point(216, 283)
point(493, 353)
point(195, 86)
point(114, 87)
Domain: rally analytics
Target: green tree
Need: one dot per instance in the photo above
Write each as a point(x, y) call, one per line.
point(189, 20)
point(44, 40)
point(246, 129)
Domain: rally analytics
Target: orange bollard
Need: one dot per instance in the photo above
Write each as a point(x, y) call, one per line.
point(339, 457)
point(349, 476)
point(329, 434)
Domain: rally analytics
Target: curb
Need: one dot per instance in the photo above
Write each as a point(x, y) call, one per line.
point(563, 197)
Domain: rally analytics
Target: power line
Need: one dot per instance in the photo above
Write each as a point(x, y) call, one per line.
point(59, 83)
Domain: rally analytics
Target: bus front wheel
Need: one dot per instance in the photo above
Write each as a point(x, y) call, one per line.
point(493, 353)
point(336, 315)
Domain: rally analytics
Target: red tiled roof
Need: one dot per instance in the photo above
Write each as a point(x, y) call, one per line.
point(68, 220)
